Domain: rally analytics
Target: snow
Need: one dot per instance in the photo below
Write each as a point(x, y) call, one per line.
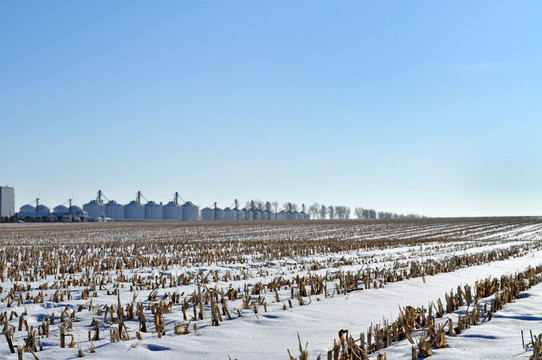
point(268, 334)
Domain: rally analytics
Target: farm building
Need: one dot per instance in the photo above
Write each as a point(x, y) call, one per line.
point(7, 201)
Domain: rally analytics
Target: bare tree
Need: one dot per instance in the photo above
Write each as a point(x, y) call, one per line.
point(323, 212)
point(359, 213)
point(339, 212)
point(313, 210)
point(331, 212)
point(342, 212)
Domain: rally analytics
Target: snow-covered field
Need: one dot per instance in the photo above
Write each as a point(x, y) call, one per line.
point(245, 290)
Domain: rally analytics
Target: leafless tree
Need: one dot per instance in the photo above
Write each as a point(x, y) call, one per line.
point(358, 211)
point(313, 211)
point(323, 212)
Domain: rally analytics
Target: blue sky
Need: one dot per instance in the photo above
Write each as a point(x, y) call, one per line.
point(407, 106)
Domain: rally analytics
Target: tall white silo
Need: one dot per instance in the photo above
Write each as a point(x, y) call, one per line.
point(114, 210)
point(190, 212)
point(240, 214)
point(134, 211)
point(282, 215)
point(94, 209)
point(153, 211)
point(172, 211)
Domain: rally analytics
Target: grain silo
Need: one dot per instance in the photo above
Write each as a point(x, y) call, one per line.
point(282, 215)
point(230, 214)
point(190, 212)
point(257, 215)
point(114, 210)
point(239, 215)
point(219, 213)
point(153, 211)
point(247, 214)
point(43, 210)
point(134, 211)
point(27, 210)
point(207, 214)
point(77, 212)
point(94, 209)
point(172, 210)
point(61, 210)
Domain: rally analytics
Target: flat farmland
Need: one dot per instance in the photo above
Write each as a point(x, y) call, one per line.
point(247, 290)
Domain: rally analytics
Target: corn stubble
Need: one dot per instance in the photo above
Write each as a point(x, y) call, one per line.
point(76, 265)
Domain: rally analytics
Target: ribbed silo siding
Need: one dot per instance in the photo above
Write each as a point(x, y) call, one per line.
point(190, 212)
point(207, 214)
point(134, 211)
point(172, 211)
point(94, 209)
point(249, 215)
point(153, 211)
point(282, 215)
point(230, 215)
point(219, 214)
point(114, 211)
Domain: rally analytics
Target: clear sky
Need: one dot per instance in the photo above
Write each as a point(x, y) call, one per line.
point(426, 107)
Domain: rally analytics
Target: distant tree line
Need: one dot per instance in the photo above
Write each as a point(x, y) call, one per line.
point(319, 211)
point(369, 214)
point(273, 206)
point(331, 212)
